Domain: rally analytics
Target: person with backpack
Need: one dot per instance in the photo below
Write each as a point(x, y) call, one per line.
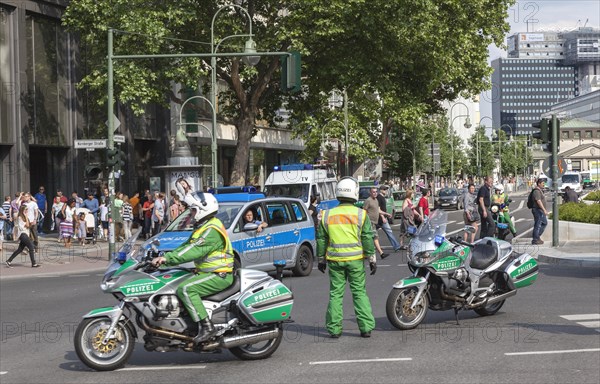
point(537, 203)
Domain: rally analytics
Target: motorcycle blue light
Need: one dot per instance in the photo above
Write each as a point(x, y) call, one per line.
point(121, 257)
point(411, 230)
point(279, 262)
point(439, 240)
point(502, 225)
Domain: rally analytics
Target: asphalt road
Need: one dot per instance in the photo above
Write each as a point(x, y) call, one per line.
point(547, 333)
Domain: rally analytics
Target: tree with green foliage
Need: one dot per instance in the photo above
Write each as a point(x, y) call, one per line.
point(407, 53)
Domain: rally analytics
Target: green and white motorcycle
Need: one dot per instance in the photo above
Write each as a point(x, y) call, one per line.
point(451, 274)
point(248, 315)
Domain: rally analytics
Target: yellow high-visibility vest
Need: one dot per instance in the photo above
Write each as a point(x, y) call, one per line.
point(218, 260)
point(344, 225)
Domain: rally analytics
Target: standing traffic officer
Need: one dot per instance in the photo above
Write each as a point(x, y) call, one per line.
point(344, 239)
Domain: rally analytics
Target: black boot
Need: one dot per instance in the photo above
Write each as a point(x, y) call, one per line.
point(206, 329)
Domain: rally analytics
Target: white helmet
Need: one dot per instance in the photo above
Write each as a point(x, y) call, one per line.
point(499, 187)
point(347, 188)
point(205, 204)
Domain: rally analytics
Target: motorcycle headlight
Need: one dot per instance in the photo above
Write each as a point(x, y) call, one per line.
point(421, 258)
point(494, 209)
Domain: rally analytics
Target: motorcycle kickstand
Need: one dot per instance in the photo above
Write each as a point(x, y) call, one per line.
point(456, 315)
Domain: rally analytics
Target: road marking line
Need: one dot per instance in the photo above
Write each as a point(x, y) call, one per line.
point(552, 352)
point(360, 361)
point(590, 324)
point(519, 220)
point(588, 316)
point(79, 275)
point(3, 372)
point(453, 232)
point(524, 233)
point(162, 368)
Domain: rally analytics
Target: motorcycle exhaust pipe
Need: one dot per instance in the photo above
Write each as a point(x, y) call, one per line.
point(173, 335)
point(494, 299)
point(251, 338)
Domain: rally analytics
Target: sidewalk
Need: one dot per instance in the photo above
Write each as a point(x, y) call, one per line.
point(55, 259)
point(569, 253)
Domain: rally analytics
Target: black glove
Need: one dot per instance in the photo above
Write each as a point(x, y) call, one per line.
point(373, 267)
point(322, 266)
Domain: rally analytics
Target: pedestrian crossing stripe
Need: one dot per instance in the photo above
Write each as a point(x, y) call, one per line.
point(589, 320)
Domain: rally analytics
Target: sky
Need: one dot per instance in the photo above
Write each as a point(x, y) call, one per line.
point(539, 15)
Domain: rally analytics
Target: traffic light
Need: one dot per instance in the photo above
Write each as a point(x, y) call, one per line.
point(543, 134)
point(290, 72)
point(115, 158)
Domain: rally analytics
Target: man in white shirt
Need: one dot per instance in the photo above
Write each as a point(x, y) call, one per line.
point(32, 215)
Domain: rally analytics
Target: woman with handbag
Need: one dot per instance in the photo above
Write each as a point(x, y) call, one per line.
point(23, 223)
point(470, 213)
point(57, 215)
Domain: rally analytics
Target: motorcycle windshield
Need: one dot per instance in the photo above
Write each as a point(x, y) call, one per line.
point(125, 252)
point(435, 225)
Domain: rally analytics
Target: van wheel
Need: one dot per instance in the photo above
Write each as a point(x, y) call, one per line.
point(304, 262)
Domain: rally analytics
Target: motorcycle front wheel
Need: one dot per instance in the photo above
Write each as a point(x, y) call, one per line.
point(260, 350)
point(398, 308)
point(99, 356)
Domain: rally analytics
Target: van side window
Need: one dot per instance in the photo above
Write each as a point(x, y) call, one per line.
point(279, 213)
point(299, 211)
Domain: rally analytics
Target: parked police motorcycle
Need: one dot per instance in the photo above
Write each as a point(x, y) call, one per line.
point(248, 315)
point(453, 274)
point(502, 226)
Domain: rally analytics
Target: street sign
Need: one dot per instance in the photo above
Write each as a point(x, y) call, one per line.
point(116, 122)
point(562, 166)
point(119, 139)
point(94, 143)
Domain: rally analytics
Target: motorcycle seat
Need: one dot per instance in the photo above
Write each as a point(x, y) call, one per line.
point(484, 255)
point(233, 288)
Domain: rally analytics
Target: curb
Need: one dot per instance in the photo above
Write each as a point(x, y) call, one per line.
point(569, 261)
point(50, 274)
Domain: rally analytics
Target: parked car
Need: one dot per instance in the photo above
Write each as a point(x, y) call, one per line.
point(363, 194)
point(399, 197)
point(449, 198)
point(290, 234)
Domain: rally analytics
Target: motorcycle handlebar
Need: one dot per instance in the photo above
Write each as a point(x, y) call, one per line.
point(459, 240)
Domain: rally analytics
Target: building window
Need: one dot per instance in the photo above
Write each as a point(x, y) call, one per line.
point(588, 134)
point(577, 135)
point(565, 134)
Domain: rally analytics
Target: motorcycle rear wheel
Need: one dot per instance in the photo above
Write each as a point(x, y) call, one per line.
point(260, 350)
point(96, 355)
point(490, 309)
point(398, 309)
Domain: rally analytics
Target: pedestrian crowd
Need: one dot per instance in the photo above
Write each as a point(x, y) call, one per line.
point(26, 216)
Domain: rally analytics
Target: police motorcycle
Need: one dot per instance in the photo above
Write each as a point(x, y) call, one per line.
point(248, 316)
point(502, 225)
point(454, 274)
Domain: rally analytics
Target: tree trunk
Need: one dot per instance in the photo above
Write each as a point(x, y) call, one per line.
point(242, 154)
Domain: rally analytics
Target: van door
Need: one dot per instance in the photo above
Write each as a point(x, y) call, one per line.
point(253, 244)
point(283, 231)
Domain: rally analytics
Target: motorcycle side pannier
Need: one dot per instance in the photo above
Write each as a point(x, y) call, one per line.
point(269, 303)
point(523, 271)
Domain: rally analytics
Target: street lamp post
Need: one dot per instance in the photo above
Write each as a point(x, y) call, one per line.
point(345, 126)
point(500, 149)
point(477, 137)
point(451, 131)
point(250, 47)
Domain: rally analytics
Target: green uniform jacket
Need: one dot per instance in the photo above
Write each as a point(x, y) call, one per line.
point(366, 238)
point(186, 252)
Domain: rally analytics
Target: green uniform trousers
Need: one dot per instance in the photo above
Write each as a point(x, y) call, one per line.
point(507, 220)
point(191, 291)
point(354, 273)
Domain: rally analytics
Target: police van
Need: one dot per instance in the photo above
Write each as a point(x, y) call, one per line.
point(301, 181)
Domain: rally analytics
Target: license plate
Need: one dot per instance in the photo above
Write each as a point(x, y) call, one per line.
point(445, 204)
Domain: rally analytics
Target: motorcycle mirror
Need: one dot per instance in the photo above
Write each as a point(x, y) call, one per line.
point(155, 242)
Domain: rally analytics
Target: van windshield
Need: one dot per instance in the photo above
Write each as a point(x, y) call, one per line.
point(572, 179)
point(298, 191)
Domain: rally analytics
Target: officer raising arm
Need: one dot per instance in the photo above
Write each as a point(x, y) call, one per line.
point(344, 239)
point(210, 249)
